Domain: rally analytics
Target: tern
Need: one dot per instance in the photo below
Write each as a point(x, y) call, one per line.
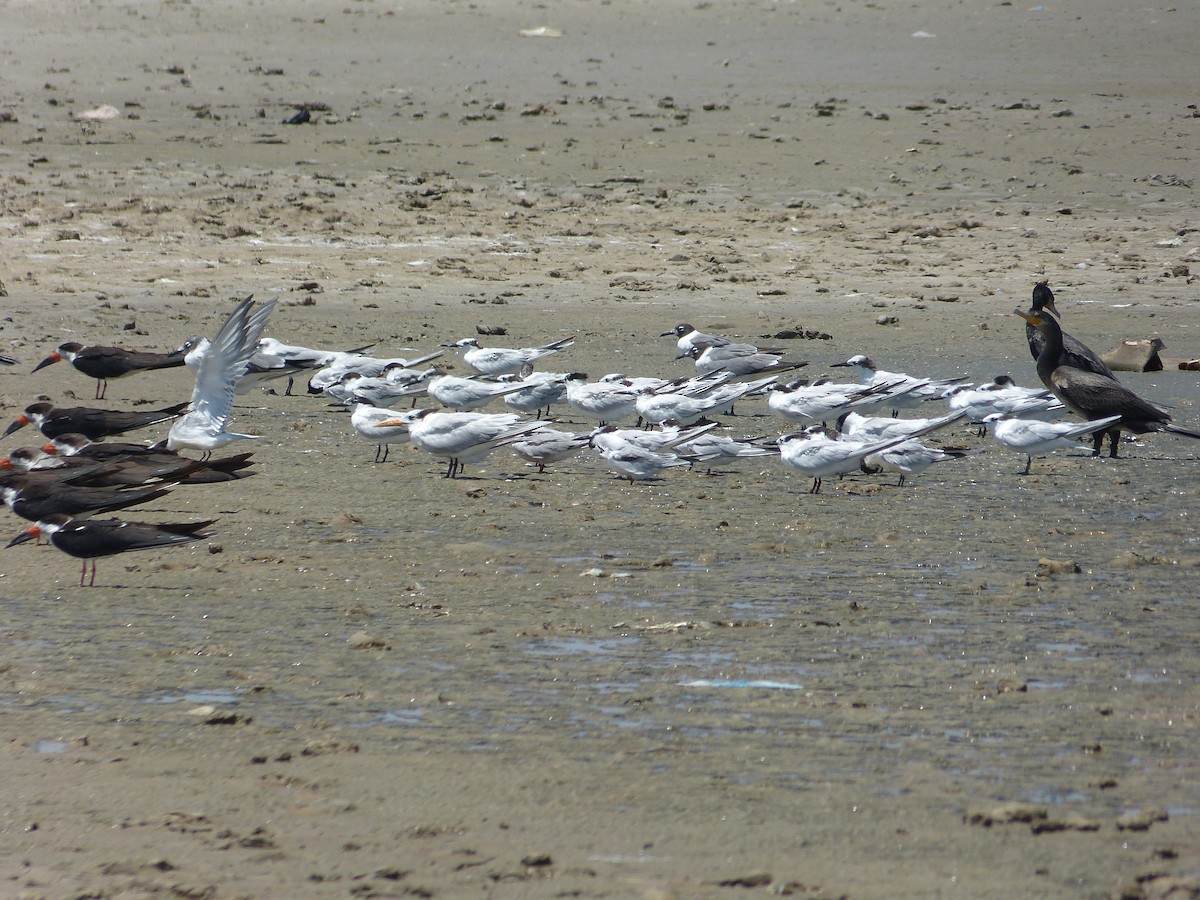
point(1034, 437)
point(88, 540)
point(1094, 396)
point(297, 357)
point(365, 419)
point(602, 400)
point(713, 449)
point(548, 445)
point(539, 390)
point(94, 423)
point(467, 393)
point(740, 359)
point(103, 363)
point(912, 457)
point(878, 428)
point(688, 337)
point(263, 367)
point(396, 382)
point(501, 360)
point(609, 437)
point(461, 437)
point(205, 426)
point(637, 382)
point(308, 357)
point(1003, 395)
point(815, 453)
point(657, 408)
point(918, 389)
point(823, 400)
point(367, 366)
point(637, 463)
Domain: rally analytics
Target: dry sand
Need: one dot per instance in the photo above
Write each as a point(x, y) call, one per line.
point(377, 682)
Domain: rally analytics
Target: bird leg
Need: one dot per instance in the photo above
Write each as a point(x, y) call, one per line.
point(1028, 463)
point(1113, 436)
point(92, 583)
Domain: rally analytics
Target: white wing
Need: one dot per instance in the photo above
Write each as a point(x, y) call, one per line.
point(227, 359)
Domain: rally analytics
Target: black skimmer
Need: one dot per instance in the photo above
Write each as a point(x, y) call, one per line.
point(103, 363)
point(90, 540)
point(153, 460)
point(94, 423)
point(135, 471)
point(1094, 396)
point(7, 360)
point(34, 498)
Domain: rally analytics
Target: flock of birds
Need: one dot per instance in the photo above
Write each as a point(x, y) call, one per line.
point(834, 428)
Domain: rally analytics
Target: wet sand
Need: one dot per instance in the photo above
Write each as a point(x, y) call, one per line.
point(374, 681)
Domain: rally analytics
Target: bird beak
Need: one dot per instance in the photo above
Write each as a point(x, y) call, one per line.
point(840, 365)
point(19, 422)
point(1031, 318)
point(667, 334)
point(392, 423)
point(50, 448)
point(48, 361)
point(27, 535)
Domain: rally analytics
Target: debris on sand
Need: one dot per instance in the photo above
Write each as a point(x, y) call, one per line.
point(99, 114)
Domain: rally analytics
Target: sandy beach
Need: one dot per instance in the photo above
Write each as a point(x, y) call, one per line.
point(373, 681)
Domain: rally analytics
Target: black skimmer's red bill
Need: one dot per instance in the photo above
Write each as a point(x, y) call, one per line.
point(89, 540)
point(103, 363)
point(33, 498)
point(92, 423)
